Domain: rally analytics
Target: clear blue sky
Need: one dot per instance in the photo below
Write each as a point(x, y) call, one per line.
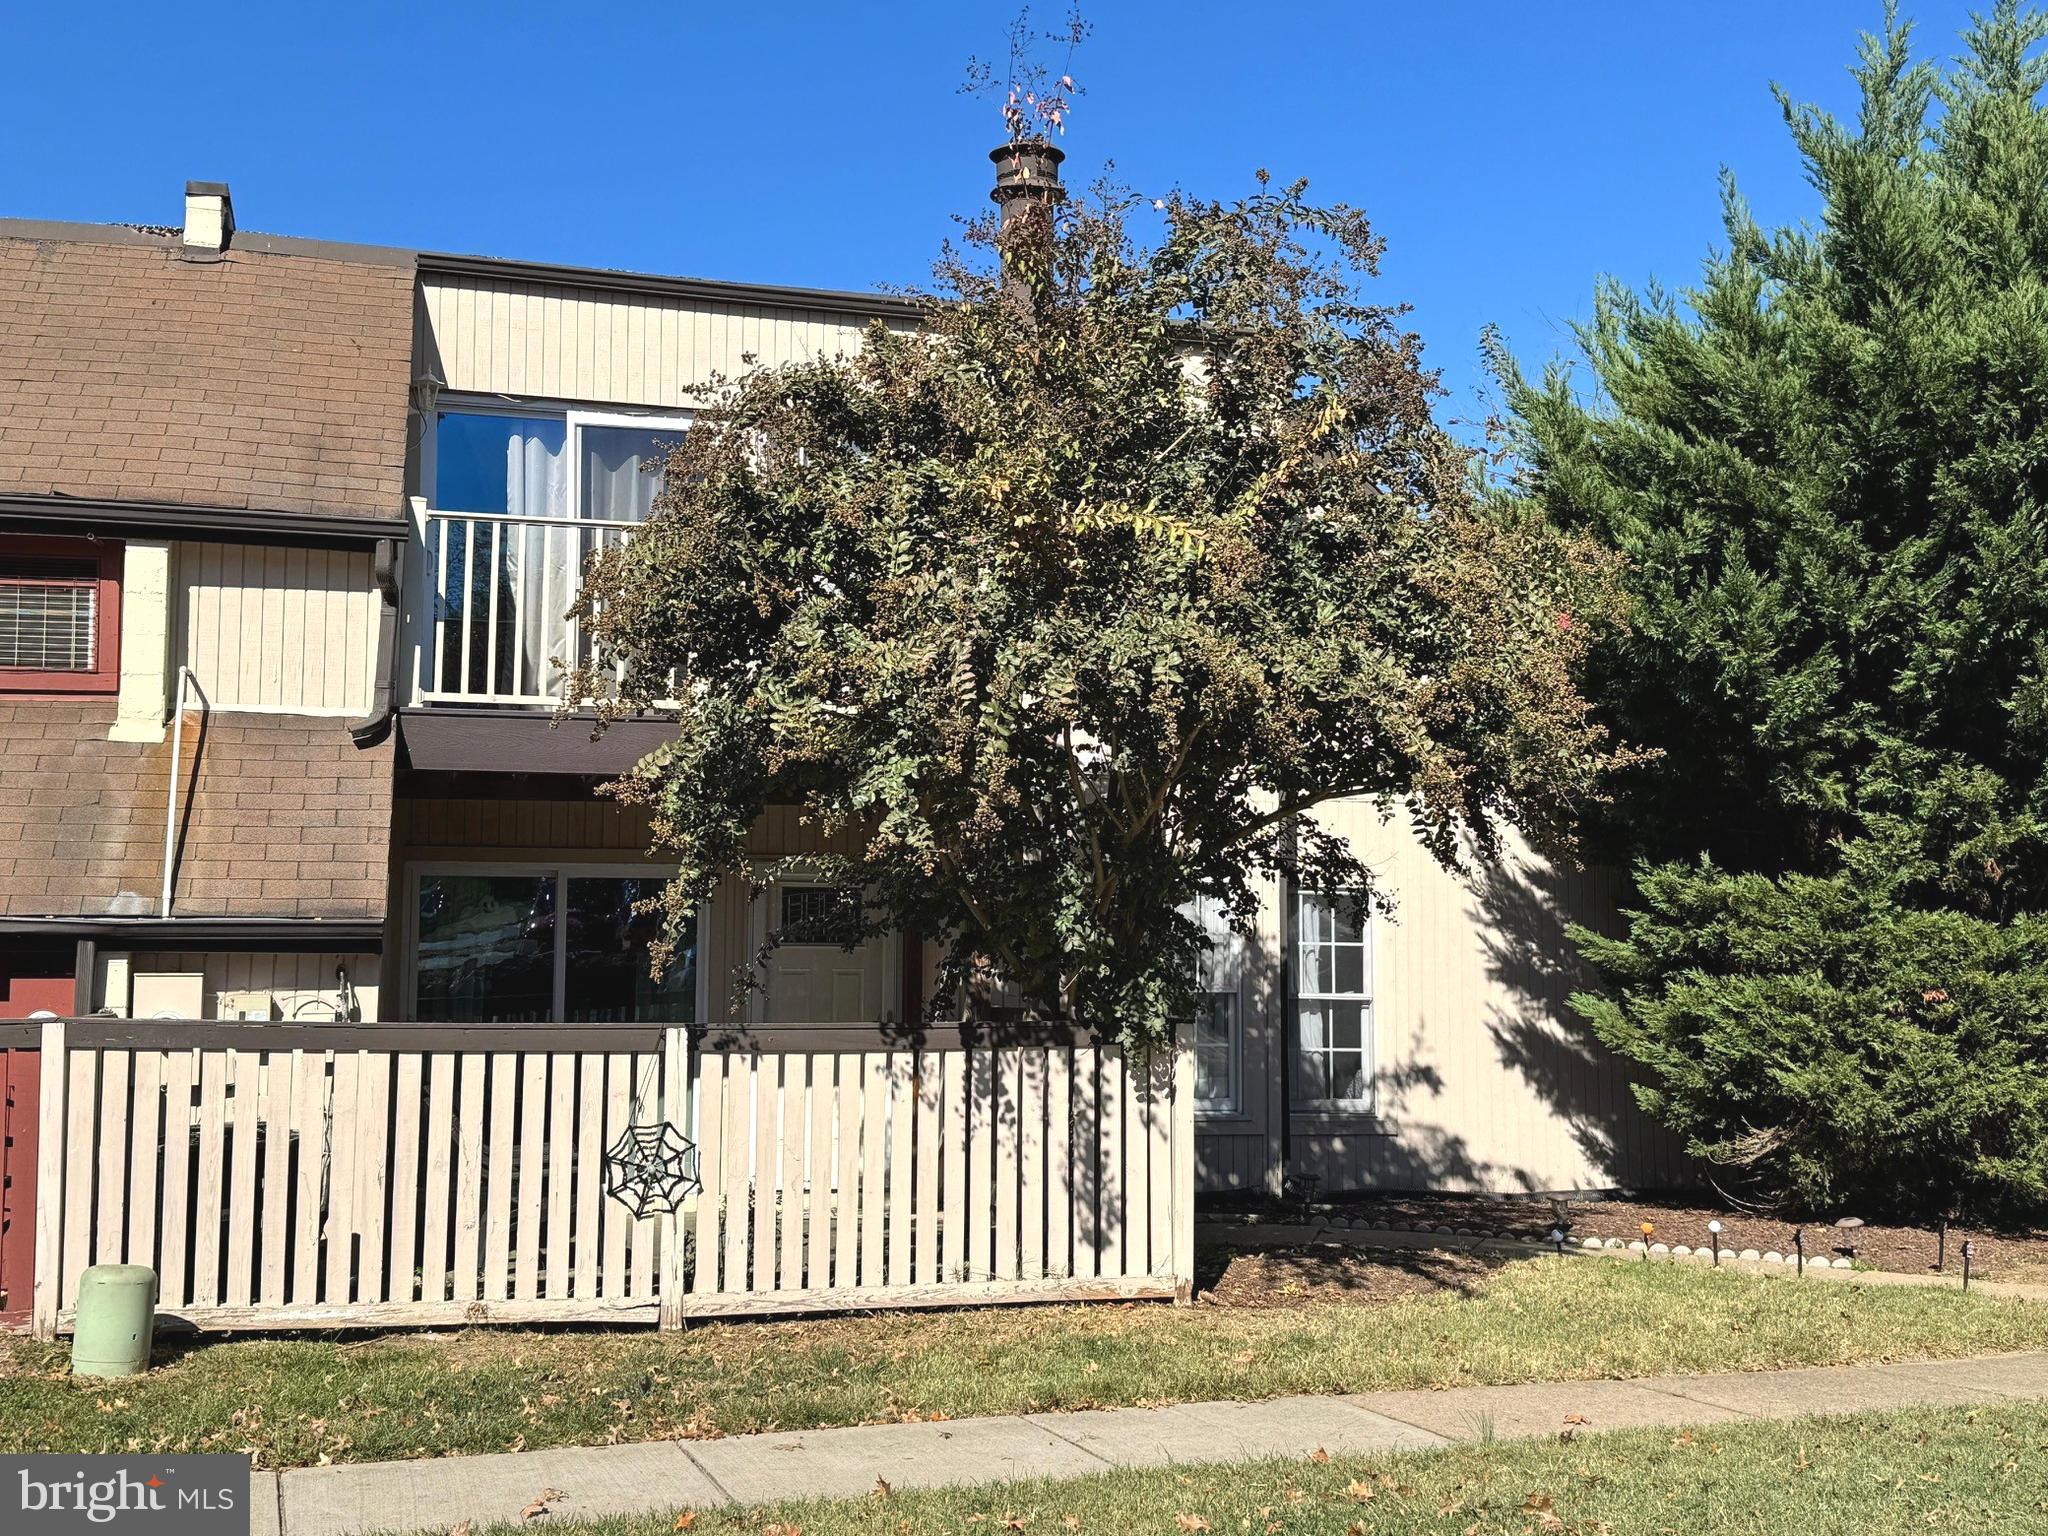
point(1509, 152)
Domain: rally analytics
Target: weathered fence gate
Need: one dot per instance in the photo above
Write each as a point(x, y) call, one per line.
point(307, 1175)
point(19, 1097)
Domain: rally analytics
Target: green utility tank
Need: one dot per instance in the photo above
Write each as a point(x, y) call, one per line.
point(116, 1319)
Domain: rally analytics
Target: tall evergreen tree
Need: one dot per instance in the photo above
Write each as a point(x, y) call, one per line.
point(1827, 467)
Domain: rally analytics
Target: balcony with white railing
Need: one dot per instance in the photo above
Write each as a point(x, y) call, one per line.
point(492, 595)
point(520, 500)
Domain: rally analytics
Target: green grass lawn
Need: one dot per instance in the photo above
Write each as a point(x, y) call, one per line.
point(1941, 1470)
point(297, 1401)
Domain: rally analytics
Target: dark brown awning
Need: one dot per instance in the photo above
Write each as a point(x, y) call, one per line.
point(525, 741)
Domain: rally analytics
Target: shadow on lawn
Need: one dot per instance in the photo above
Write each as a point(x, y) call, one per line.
point(1239, 1277)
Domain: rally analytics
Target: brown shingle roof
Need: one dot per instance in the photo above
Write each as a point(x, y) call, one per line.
point(265, 380)
point(286, 816)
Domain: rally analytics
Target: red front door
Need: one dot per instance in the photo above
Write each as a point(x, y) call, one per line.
point(28, 986)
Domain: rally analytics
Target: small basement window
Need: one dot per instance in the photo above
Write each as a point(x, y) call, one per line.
point(59, 616)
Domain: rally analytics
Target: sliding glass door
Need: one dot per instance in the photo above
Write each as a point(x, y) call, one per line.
point(520, 499)
point(495, 945)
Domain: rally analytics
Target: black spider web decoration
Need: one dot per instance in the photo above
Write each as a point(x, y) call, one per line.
point(650, 1169)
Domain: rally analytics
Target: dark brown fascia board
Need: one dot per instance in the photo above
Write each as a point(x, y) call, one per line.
point(305, 935)
point(442, 738)
point(868, 306)
point(73, 514)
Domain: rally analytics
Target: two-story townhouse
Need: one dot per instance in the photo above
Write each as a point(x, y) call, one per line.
point(1434, 1050)
point(203, 445)
point(371, 481)
point(544, 397)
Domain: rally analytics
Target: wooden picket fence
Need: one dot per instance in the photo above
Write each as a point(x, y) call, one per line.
point(837, 1177)
point(323, 1175)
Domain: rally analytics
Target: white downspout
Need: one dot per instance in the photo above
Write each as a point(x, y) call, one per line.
point(171, 798)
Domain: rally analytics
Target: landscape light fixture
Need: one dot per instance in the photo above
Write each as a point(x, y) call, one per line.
point(1715, 1228)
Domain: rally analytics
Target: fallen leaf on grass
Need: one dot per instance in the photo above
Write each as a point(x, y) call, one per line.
point(1319, 1456)
point(460, 1528)
point(882, 1490)
point(1360, 1492)
point(1191, 1522)
point(685, 1520)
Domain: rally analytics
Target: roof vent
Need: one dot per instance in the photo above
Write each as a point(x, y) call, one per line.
point(209, 218)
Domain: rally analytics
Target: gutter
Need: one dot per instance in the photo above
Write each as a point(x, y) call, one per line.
point(376, 725)
point(185, 680)
point(310, 935)
point(250, 525)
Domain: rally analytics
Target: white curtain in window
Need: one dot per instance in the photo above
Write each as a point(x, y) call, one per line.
point(621, 472)
point(537, 589)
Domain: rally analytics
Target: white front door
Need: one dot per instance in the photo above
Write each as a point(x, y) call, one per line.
point(820, 983)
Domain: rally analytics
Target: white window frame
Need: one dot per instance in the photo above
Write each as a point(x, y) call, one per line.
point(430, 457)
point(573, 418)
point(1231, 1105)
point(562, 872)
point(419, 621)
point(1368, 1032)
point(579, 419)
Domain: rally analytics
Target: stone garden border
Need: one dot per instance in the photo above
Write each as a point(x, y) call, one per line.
point(1358, 1232)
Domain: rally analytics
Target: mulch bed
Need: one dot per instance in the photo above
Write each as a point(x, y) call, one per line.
point(1290, 1277)
point(2011, 1255)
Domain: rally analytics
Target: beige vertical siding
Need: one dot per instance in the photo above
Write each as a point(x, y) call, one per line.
point(291, 980)
point(1488, 1081)
point(273, 628)
point(586, 344)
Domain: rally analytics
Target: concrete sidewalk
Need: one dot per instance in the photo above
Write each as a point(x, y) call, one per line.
point(664, 1476)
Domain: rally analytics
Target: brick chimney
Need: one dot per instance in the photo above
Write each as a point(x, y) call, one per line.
point(209, 219)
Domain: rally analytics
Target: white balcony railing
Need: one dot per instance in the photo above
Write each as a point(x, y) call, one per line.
point(490, 599)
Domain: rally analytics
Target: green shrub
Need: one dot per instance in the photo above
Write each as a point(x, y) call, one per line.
point(1822, 1045)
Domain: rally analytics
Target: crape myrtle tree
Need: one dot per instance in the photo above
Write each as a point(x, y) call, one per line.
point(1071, 600)
point(1827, 470)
